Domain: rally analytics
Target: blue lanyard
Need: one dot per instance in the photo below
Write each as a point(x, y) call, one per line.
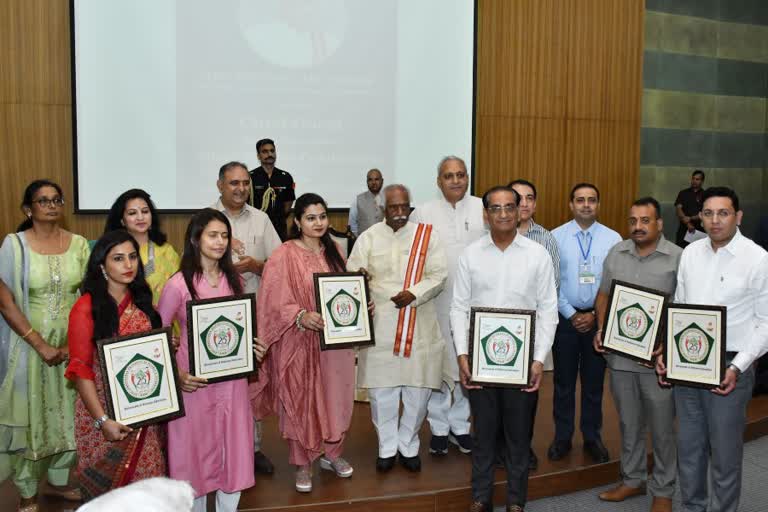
point(581, 248)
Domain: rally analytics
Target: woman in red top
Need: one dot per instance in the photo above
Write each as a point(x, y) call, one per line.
point(116, 301)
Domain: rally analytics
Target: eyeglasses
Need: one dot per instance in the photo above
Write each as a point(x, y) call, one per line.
point(723, 214)
point(497, 209)
point(47, 203)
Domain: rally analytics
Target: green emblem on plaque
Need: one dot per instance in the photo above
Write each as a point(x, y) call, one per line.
point(501, 347)
point(222, 338)
point(343, 309)
point(140, 378)
point(694, 345)
point(633, 322)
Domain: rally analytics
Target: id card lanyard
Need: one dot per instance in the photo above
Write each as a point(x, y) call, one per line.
point(586, 275)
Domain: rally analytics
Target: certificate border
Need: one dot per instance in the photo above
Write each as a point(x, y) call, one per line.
point(659, 320)
point(531, 344)
point(253, 369)
point(107, 378)
point(692, 309)
point(325, 344)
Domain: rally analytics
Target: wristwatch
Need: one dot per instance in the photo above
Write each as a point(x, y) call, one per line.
point(735, 369)
point(97, 423)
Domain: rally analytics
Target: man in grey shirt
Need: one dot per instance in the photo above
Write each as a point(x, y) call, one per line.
point(646, 259)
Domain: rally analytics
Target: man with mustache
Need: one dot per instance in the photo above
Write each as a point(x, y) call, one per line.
point(253, 240)
point(583, 244)
point(458, 218)
point(406, 268)
point(273, 189)
point(367, 209)
point(646, 259)
point(725, 269)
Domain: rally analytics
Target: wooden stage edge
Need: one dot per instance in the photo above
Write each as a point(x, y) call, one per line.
point(444, 483)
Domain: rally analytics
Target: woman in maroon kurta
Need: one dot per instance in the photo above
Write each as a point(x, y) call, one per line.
point(311, 391)
point(117, 301)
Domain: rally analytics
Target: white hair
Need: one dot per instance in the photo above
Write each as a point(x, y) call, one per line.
point(396, 186)
point(449, 158)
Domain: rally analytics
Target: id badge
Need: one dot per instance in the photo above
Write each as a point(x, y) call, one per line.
point(586, 276)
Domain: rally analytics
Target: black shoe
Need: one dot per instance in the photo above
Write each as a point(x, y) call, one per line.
point(438, 445)
point(533, 461)
point(558, 449)
point(463, 442)
point(261, 464)
point(410, 463)
point(499, 460)
point(596, 449)
point(384, 464)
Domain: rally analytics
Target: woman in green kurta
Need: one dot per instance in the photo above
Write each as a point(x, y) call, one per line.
point(135, 212)
point(43, 265)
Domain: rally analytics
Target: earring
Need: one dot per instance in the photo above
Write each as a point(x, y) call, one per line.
point(104, 272)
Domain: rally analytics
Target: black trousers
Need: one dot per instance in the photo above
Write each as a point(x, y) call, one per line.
point(574, 356)
point(515, 408)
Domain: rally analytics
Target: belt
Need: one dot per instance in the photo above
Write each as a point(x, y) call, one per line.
point(588, 310)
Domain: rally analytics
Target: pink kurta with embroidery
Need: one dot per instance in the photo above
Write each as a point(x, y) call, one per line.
point(212, 446)
point(311, 391)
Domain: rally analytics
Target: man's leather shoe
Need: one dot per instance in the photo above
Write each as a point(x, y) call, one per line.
point(384, 464)
point(261, 464)
point(661, 504)
point(410, 463)
point(596, 449)
point(622, 492)
point(558, 450)
point(533, 461)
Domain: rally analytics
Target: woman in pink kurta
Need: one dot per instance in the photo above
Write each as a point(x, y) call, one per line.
point(311, 391)
point(211, 447)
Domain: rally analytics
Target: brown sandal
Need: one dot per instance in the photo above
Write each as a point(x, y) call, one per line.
point(67, 493)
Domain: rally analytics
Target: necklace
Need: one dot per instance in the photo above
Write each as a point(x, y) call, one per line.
point(213, 279)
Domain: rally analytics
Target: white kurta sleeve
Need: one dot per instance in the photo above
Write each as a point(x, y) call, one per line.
point(462, 291)
point(435, 273)
point(360, 253)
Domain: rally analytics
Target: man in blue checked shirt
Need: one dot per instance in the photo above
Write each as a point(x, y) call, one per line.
point(583, 244)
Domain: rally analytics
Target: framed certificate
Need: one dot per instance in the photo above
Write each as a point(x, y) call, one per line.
point(342, 301)
point(501, 346)
point(633, 323)
point(695, 347)
point(141, 385)
point(221, 335)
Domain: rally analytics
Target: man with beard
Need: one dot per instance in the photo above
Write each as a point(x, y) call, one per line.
point(687, 207)
point(583, 244)
point(725, 269)
point(368, 208)
point(253, 240)
point(272, 188)
point(406, 267)
point(646, 259)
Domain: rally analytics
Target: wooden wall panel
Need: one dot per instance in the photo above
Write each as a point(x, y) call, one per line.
point(558, 101)
point(559, 94)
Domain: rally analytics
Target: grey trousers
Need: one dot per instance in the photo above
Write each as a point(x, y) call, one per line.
point(711, 422)
point(643, 405)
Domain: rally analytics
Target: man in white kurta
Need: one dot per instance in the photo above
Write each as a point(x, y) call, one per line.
point(458, 219)
point(393, 377)
point(253, 240)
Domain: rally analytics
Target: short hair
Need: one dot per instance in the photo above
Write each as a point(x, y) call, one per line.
point(699, 172)
point(450, 158)
point(396, 186)
point(525, 183)
point(263, 142)
point(372, 170)
point(230, 165)
point(500, 188)
point(584, 185)
point(722, 192)
point(649, 201)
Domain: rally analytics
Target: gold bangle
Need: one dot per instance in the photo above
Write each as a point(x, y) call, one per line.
point(31, 329)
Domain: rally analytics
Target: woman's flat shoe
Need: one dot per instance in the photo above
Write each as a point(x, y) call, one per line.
point(304, 479)
point(67, 493)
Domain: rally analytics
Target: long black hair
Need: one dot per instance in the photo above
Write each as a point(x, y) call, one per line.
point(103, 305)
point(115, 215)
point(190, 260)
point(332, 255)
point(29, 194)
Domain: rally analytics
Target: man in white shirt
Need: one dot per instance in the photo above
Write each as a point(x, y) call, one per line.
point(458, 219)
point(253, 240)
point(368, 208)
point(724, 269)
point(503, 270)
